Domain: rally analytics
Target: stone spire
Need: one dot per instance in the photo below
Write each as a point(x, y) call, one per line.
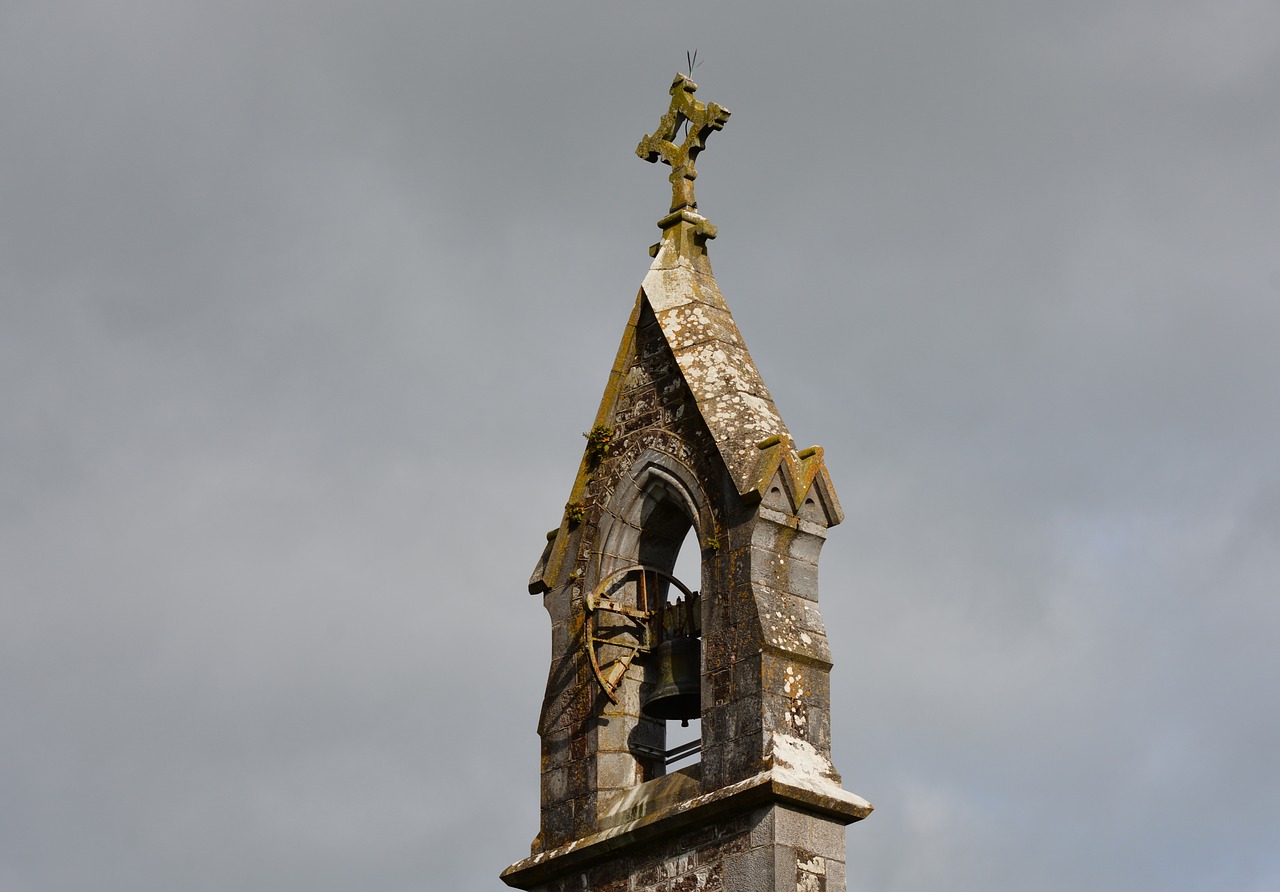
point(687, 438)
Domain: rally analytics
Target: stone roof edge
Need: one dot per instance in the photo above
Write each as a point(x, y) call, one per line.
point(563, 541)
point(674, 281)
point(681, 291)
point(774, 785)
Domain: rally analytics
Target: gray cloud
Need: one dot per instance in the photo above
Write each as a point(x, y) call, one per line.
point(303, 309)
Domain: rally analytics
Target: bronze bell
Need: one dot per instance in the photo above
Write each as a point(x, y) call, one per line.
point(678, 691)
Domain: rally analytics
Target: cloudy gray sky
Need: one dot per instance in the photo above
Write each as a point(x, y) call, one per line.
point(304, 306)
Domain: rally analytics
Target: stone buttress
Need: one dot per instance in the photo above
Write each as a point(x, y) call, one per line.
point(686, 438)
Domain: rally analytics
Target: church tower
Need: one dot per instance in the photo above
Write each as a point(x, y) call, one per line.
point(688, 443)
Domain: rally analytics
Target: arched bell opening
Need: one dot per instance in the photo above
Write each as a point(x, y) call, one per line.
point(671, 693)
point(684, 738)
point(653, 521)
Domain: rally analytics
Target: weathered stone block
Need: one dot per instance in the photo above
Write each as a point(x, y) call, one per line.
point(784, 868)
point(693, 839)
point(616, 771)
point(743, 717)
point(811, 618)
point(836, 873)
point(746, 675)
point(826, 838)
point(580, 777)
point(793, 828)
point(820, 728)
point(717, 652)
point(712, 764)
point(554, 785)
point(744, 755)
point(649, 877)
point(769, 567)
point(750, 871)
point(811, 876)
point(807, 547)
point(802, 579)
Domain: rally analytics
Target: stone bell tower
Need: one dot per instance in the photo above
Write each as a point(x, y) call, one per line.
point(688, 438)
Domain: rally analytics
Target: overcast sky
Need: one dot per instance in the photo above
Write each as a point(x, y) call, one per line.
point(303, 310)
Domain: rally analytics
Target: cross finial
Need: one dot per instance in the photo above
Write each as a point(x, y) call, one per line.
point(661, 143)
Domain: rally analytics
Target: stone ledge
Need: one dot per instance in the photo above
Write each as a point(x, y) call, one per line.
point(765, 788)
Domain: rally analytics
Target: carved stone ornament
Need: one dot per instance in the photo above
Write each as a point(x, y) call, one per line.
point(702, 119)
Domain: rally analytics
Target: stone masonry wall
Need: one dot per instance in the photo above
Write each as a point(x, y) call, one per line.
point(769, 849)
point(587, 741)
point(765, 652)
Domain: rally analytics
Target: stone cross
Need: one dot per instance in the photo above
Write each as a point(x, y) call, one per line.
point(661, 143)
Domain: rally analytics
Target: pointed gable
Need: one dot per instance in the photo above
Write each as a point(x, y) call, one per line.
point(721, 386)
point(703, 350)
point(730, 394)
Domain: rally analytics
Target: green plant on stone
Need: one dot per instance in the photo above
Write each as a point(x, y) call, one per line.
point(575, 512)
point(598, 442)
